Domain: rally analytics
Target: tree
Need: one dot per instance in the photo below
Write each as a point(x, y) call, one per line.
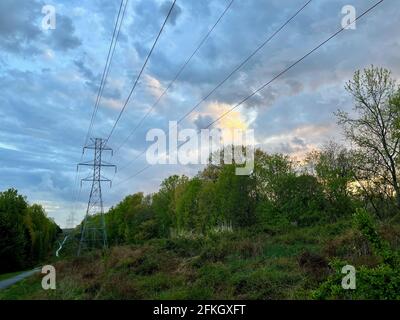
point(373, 129)
point(333, 166)
point(236, 204)
point(187, 205)
point(131, 221)
point(26, 234)
point(301, 200)
point(42, 232)
point(13, 208)
point(164, 203)
point(270, 172)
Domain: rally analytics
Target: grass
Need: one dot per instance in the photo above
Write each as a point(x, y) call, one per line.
point(23, 290)
point(240, 265)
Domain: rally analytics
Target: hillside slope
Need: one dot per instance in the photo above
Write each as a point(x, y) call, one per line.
point(240, 265)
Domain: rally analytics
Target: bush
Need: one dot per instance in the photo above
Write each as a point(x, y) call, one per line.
point(364, 223)
point(378, 282)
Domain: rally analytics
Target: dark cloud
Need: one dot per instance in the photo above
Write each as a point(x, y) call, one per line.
point(18, 29)
point(202, 122)
point(298, 141)
point(85, 71)
point(175, 13)
point(21, 32)
point(62, 38)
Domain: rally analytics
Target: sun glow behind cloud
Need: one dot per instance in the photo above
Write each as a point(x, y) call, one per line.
point(235, 119)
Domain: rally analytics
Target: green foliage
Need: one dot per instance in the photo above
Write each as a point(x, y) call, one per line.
point(275, 197)
point(303, 202)
point(42, 232)
point(379, 282)
point(187, 206)
point(26, 234)
point(364, 223)
point(234, 194)
point(13, 236)
point(372, 129)
point(131, 221)
point(164, 203)
point(333, 166)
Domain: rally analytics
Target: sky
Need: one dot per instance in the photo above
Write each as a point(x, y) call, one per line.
point(49, 81)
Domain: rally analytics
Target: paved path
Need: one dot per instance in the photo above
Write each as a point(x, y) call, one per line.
point(61, 245)
point(9, 282)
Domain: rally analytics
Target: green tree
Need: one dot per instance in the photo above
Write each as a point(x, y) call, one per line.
point(26, 234)
point(235, 197)
point(13, 240)
point(164, 203)
point(129, 221)
point(373, 128)
point(42, 232)
point(187, 205)
point(334, 168)
point(271, 173)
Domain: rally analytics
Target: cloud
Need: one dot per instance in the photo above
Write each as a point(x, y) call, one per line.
point(18, 29)
point(175, 13)
point(299, 141)
point(153, 85)
point(85, 71)
point(49, 81)
point(202, 121)
point(21, 33)
point(62, 38)
point(214, 110)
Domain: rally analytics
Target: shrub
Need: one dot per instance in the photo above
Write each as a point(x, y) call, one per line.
point(364, 223)
point(379, 282)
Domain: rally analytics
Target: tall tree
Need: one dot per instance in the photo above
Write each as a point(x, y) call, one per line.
point(13, 208)
point(164, 202)
point(333, 166)
point(373, 127)
point(26, 233)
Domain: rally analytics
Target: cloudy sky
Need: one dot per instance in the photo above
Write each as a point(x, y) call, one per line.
point(49, 81)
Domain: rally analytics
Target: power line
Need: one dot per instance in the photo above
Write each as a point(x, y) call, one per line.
point(141, 71)
point(106, 69)
point(273, 79)
point(176, 76)
point(238, 67)
point(244, 62)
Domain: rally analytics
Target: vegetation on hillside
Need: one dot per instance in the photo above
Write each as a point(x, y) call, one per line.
point(26, 233)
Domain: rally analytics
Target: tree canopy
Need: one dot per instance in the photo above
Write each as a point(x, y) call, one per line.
point(26, 233)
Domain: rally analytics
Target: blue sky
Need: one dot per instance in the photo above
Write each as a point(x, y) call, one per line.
point(49, 82)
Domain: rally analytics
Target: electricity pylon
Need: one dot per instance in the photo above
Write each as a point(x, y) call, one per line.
point(70, 221)
point(93, 229)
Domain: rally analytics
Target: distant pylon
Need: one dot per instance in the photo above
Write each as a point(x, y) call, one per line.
point(70, 221)
point(93, 229)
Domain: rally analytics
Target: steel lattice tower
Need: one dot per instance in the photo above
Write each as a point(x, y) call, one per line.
point(93, 229)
